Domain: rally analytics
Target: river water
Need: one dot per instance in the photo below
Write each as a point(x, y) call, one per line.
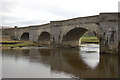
point(43, 62)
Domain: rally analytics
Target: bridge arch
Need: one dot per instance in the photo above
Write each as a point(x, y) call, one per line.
point(71, 38)
point(44, 38)
point(25, 36)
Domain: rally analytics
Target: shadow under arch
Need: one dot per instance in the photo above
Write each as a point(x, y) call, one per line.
point(25, 37)
point(71, 38)
point(44, 38)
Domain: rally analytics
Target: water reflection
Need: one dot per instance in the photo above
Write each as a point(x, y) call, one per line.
point(59, 63)
point(90, 55)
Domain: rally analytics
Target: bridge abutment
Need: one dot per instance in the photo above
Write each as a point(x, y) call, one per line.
point(108, 25)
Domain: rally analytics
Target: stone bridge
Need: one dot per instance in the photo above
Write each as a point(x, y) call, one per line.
point(67, 33)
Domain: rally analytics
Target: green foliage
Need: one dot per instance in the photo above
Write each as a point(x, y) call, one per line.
point(28, 43)
point(19, 44)
point(89, 40)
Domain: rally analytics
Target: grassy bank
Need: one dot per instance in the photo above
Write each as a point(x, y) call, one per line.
point(17, 43)
point(89, 40)
point(13, 44)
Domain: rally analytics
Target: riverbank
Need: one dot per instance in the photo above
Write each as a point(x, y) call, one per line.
point(89, 40)
point(18, 44)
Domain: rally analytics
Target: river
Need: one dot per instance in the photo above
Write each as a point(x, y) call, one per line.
point(43, 62)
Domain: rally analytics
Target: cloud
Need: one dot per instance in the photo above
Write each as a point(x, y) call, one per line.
point(27, 12)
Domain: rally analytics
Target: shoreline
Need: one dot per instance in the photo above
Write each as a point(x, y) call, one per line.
point(13, 44)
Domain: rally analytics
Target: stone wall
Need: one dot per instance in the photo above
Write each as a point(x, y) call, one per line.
point(9, 32)
point(109, 32)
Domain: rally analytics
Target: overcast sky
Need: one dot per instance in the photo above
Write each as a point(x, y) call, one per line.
point(35, 12)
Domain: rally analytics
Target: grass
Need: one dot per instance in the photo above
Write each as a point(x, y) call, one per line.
point(13, 43)
point(89, 40)
point(17, 43)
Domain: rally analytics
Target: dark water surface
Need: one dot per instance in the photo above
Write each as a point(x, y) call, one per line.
point(83, 62)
